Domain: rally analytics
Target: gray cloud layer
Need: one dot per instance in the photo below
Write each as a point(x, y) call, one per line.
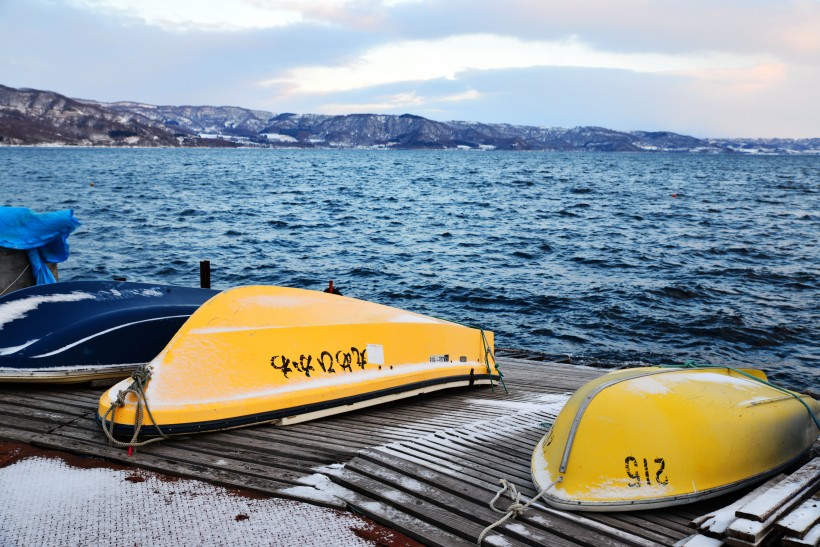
point(761, 78)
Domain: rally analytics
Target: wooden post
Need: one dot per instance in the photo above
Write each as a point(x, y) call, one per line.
point(205, 274)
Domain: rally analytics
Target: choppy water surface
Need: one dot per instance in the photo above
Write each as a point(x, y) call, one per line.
point(608, 258)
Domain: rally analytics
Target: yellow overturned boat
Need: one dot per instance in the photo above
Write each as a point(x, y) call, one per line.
point(261, 354)
point(653, 437)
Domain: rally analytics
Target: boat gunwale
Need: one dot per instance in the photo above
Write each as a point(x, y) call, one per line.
point(123, 431)
point(66, 374)
point(651, 503)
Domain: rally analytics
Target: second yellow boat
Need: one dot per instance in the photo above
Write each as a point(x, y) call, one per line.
point(259, 354)
point(653, 437)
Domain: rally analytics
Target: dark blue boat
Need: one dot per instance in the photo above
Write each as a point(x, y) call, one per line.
point(84, 330)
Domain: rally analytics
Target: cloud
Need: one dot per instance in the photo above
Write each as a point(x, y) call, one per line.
point(423, 60)
point(777, 27)
point(181, 15)
point(399, 102)
point(727, 68)
point(742, 81)
point(239, 15)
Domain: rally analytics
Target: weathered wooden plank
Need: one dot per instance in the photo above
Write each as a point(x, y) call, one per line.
point(288, 441)
point(197, 447)
point(354, 434)
point(440, 450)
point(513, 438)
point(419, 508)
point(461, 505)
point(436, 459)
point(661, 520)
point(386, 514)
point(452, 491)
point(182, 455)
point(634, 534)
point(636, 527)
point(75, 397)
point(798, 522)
point(13, 411)
point(812, 538)
point(42, 404)
point(674, 515)
point(699, 540)
point(12, 433)
point(273, 450)
point(492, 460)
point(750, 531)
point(715, 523)
point(31, 419)
point(639, 521)
point(763, 507)
point(291, 463)
point(769, 539)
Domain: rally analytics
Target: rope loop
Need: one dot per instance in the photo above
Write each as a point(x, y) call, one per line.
point(516, 508)
point(515, 496)
point(139, 380)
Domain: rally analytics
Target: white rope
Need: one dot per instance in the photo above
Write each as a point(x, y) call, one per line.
point(515, 509)
point(16, 280)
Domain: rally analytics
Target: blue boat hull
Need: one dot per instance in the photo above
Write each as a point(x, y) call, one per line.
point(82, 330)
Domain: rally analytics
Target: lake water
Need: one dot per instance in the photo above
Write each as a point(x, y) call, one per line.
point(607, 258)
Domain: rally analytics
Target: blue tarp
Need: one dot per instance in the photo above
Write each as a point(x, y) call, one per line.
point(43, 235)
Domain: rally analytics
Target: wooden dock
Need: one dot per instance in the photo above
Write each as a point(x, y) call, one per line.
point(426, 466)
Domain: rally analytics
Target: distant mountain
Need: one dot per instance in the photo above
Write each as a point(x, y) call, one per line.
point(29, 116)
point(33, 117)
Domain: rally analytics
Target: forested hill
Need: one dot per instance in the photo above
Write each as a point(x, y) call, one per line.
point(34, 117)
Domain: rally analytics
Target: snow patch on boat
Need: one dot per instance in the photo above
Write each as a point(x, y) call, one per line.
point(412, 318)
point(130, 293)
point(281, 301)
point(540, 474)
point(149, 292)
point(17, 309)
point(661, 384)
point(727, 379)
point(619, 490)
point(157, 398)
point(647, 385)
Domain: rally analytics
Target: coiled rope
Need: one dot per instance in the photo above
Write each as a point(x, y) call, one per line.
point(691, 363)
point(515, 509)
point(139, 379)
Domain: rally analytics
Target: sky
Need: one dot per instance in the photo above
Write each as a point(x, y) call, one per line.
point(707, 68)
